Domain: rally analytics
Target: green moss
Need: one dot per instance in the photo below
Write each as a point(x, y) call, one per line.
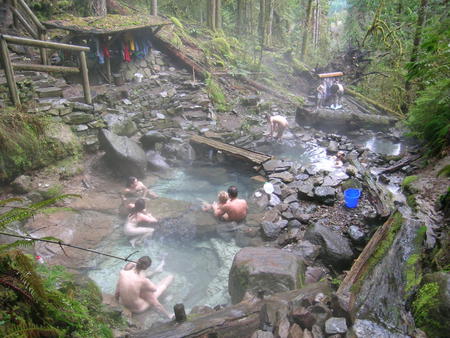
point(176, 41)
point(51, 192)
point(411, 201)
point(413, 274)
point(216, 94)
point(406, 184)
point(382, 249)
point(425, 309)
point(176, 22)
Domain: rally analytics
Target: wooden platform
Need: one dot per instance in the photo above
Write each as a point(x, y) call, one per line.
point(250, 155)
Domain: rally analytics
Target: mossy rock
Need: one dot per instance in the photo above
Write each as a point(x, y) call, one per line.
point(351, 183)
point(407, 184)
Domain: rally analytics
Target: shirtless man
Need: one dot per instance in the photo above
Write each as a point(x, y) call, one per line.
point(277, 124)
point(235, 209)
point(337, 91)
point(136, 292)
point(137, 187)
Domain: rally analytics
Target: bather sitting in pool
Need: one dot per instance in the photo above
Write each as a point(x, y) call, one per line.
point(235, 209)
point(222, 199)
point(136, 292)
point(137, 187)
point(137, 215)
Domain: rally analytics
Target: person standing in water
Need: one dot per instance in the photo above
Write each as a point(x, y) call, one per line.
point(277, 124)
point(137, 187)
point(235, 209)
point(321, 95)
point(137, 215)
point(136, 292)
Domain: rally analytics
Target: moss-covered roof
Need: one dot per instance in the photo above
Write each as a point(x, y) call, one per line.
point(111, 23)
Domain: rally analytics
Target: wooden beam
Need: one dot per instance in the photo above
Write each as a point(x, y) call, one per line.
point(25, 23)
point(84, 72)
point(250, 155)
point(45, 68)
point(9, 73)
point(44, 44)
point(30, 13)
point(335, 74)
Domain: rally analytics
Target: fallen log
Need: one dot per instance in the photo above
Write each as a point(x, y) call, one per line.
point(374, 103)
point(400, 164)
point(342, 119)
point(360, 265)
point(380, 196)
point(175, 53)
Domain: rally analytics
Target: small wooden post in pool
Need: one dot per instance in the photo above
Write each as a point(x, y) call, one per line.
point(180, 314)
point(84, 73)
point(9, 72)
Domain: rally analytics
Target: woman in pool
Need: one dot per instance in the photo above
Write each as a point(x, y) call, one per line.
point(138, 215)
point(222, 199)
point(137, 187)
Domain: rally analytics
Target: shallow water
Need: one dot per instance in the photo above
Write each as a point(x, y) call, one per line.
point(204, 182)
point(200, 269)
point(379, 145)
point(305, 154)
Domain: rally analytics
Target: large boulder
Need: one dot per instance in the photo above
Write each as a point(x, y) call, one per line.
point(266, 270)
point(336, 249)
point(125, 155)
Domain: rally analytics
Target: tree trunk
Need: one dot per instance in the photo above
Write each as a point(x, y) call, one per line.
point(218, 14)
point(262, 22)
point(306, 29)
point(96, 7)
point(154, 7)
point(269, 22)
point(416, 44)
point(211, 14)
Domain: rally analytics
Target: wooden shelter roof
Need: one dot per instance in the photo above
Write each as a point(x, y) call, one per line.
point(109, 24)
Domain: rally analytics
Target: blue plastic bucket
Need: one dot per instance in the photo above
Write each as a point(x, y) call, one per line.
point(351, 197)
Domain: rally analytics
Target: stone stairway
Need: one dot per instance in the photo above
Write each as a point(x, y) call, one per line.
point(43, 90)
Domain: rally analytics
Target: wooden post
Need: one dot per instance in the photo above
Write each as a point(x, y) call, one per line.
point(43, 51)
point(15, 16)
point(9, 73)
point(108, 69)
point(85, 75)
point(180, 314)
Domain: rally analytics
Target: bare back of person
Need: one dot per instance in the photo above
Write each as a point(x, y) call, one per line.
point(235, 209)
point(131, 285)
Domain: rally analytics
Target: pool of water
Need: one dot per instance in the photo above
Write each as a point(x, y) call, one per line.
point(203, 182)
point(379, 145)
point(305, 154)
point(200, 268)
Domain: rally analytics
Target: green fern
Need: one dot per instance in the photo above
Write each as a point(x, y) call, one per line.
point(31, 331)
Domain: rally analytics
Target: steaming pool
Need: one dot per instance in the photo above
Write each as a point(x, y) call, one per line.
point(200, 266)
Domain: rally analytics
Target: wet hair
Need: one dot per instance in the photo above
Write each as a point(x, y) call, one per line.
point(139, 205)
point(222, 196)
point(130, 181)
point(232, 191)
point(143, 263)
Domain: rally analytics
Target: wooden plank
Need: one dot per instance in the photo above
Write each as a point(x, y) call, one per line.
point(253, 156)
point(45, 68)
point(334, 74)
point(45, 44)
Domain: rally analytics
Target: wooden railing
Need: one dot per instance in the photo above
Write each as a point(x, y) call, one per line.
point(23, 14)
point(9, 67)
